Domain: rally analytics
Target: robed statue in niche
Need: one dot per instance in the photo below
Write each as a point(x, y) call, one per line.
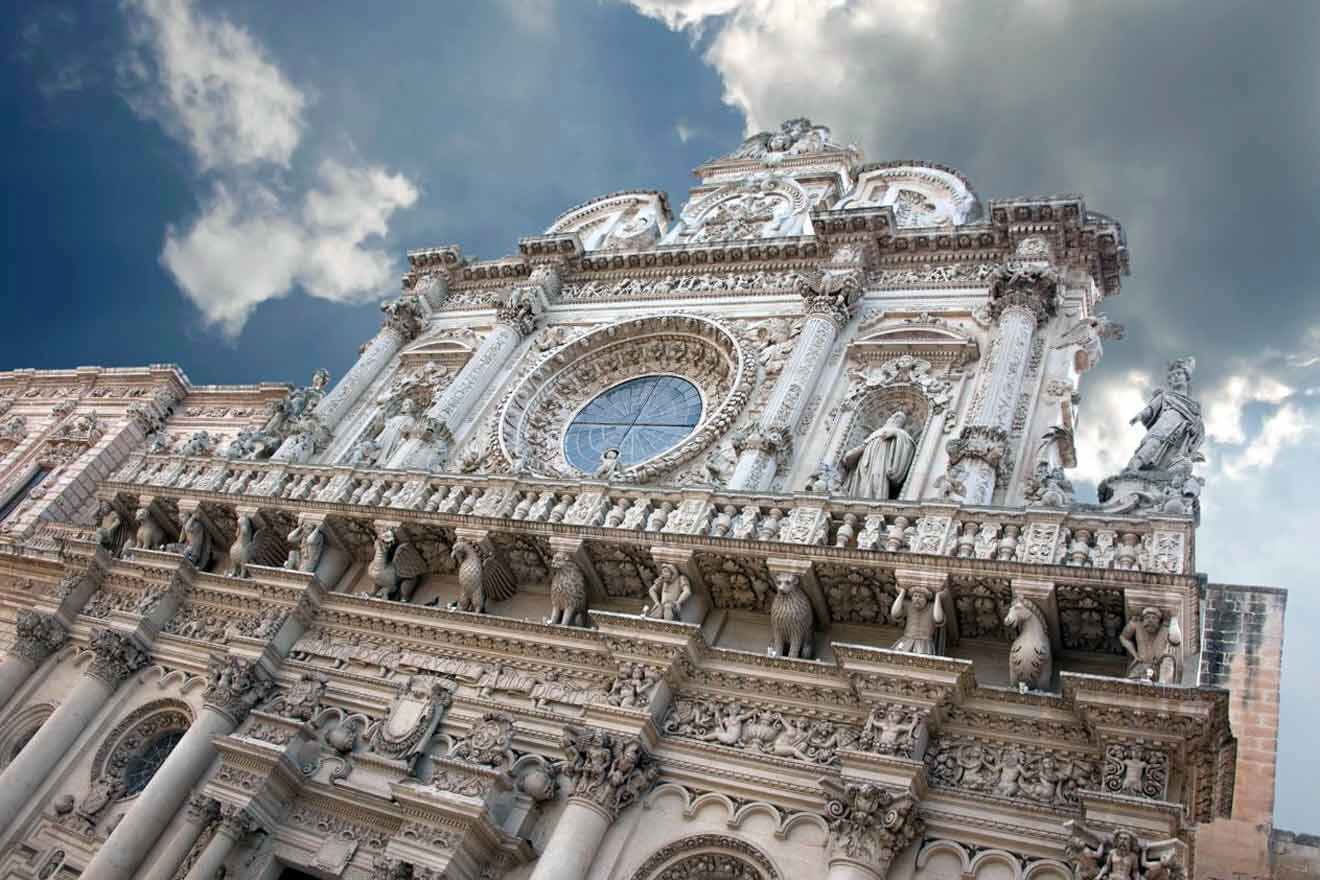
point(878, 467)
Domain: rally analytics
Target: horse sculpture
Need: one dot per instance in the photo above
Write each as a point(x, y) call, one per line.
point(1030, 665)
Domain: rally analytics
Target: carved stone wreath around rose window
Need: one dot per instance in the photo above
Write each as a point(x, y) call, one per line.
point(535, 417)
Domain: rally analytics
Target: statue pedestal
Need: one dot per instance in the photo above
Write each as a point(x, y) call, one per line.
point(1150, 491)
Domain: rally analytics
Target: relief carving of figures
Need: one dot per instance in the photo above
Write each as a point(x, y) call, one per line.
point(1174, 429)
point(668, 592)
point(1048, 486)
point(633, 687)
point(1085, 336)
point(791, 619)
point(1136, 771)
point(879, 466)
point(922, 614)
point(103, 792)
point(965, 762)
point(1030, 659)
point(1152, 641)
point(869, 824)
point(1122, 855)
point(568, 593)
point(481, 576)
point(894, 730)
point(763, 731)
point(413, 718)
point(606, 769)
point(795, 137)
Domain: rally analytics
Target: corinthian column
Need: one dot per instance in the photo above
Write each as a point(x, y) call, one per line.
point(39, 635)
point(117, 656)
point(234, 686)
point(404, 322)
point(828, 300)
point(235, 824)
point(1022, 297)
point(869, 827)
point(515, 318)
point(608, 773)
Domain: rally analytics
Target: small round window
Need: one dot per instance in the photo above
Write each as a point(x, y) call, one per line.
point(141, 767)
point(641, 418)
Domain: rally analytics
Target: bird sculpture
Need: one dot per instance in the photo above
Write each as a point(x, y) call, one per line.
point(254, 546)
point(480, 577)
point(568, 593)
point(1086, 335)
point(396, 567)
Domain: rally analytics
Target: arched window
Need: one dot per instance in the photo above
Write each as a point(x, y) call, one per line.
point(142, 765)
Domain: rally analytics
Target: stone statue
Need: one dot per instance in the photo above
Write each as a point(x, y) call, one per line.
point(480, 579)
point(668, 593)
point(1048, 487)
point(568, 593)
point(1121, 855)
point(253, 546)
point(923, 614)
point(111, 531)
point(394, 430)
point(609, 466)
point(1174, 429)
point(306, 543)
point(878, 467)
point(1030, 662)
point(194, 543)
point(396, 567)
point(1151, 641)
point(791, 619)
point(303, 400)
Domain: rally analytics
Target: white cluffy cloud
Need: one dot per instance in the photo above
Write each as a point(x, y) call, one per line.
point(212, 86)
point(1223, 415)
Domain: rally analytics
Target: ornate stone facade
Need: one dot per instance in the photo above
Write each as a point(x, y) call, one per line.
point(736, 543)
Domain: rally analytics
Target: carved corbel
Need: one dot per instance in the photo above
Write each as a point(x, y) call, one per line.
point(487, 578)
point(696, 607)
point(575, 548)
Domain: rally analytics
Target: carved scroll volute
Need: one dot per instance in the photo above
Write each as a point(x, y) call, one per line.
point(869, 825)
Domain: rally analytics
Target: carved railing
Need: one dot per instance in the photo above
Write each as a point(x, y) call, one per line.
point(1045, 536)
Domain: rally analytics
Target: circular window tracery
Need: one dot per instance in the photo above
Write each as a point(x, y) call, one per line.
point(141, 766)
point(641, 418)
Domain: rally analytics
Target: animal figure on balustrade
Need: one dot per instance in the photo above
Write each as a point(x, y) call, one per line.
point(790, 619)
point(149, 534)
point(254, 546)
point(1030, 664)
point(194, 542)
point(111, 532)
point(396, 567)
point(481, 576)
point(568, 592)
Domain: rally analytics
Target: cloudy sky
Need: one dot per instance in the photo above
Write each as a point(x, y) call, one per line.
point(231, 188)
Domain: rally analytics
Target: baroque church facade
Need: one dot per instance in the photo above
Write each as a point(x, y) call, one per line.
point(735, 543)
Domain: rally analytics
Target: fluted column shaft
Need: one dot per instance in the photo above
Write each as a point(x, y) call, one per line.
point(135, 835)
point(572, 847)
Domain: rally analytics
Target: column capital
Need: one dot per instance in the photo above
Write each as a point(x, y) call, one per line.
point(1030, 286)
point(984, 442)
point(608, 771)
point(519, 309)
point(868, 824)
point(234, 685)
point(237, 821)
point(39, 636)
point(117, 656)
point(202, 808)
point(830, 294)
point(404, 316)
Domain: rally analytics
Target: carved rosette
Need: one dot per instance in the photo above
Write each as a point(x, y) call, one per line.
point(116, 656)
point(39, 635)
point(606, 770)
point(404, 317)
point(1030, 286)
point(869, 825)
point(234, 685)
point(536, 413)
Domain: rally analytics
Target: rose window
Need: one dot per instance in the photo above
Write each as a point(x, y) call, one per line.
point(139, 768)
point(641, 418)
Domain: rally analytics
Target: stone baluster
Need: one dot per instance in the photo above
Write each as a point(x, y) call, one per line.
point(515, 318)
point(1022, 297)
point(116, 657)
point(39, 636)
point(828, 300)
point(608, 773)
point(403, 323)
point(235, 824)
point(869, 827)
point(234, 685)
point(201, 811)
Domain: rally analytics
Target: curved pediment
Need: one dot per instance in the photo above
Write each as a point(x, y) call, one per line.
point(931, 339)
point(921, 194)
point(619, 221)
point(450, 348)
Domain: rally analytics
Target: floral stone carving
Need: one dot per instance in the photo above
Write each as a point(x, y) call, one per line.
point(234, 686)
point(869, 824)
point(605, 769)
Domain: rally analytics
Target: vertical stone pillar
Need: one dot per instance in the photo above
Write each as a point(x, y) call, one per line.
point(39, 636)
point(235, 824)
point(828, 300)
point(117, 656)
point(1022, 297)
point(235, 685)
point(515, 318)
point(403, 323)
point(608, 773)
point(869, 828)
point(200, 812)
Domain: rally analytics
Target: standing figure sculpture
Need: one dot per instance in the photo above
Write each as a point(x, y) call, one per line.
point(668, 592)
point(923, 615)
point(1151, 640)
point(878, 467)
point(1174, 429)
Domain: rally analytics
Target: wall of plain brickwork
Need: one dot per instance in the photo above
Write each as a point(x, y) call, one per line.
point(1296, 856)
point(1243, 652)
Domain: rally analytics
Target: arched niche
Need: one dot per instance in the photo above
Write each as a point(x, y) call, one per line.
point(20, 728)
point(919, 194)
point(708, 857)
